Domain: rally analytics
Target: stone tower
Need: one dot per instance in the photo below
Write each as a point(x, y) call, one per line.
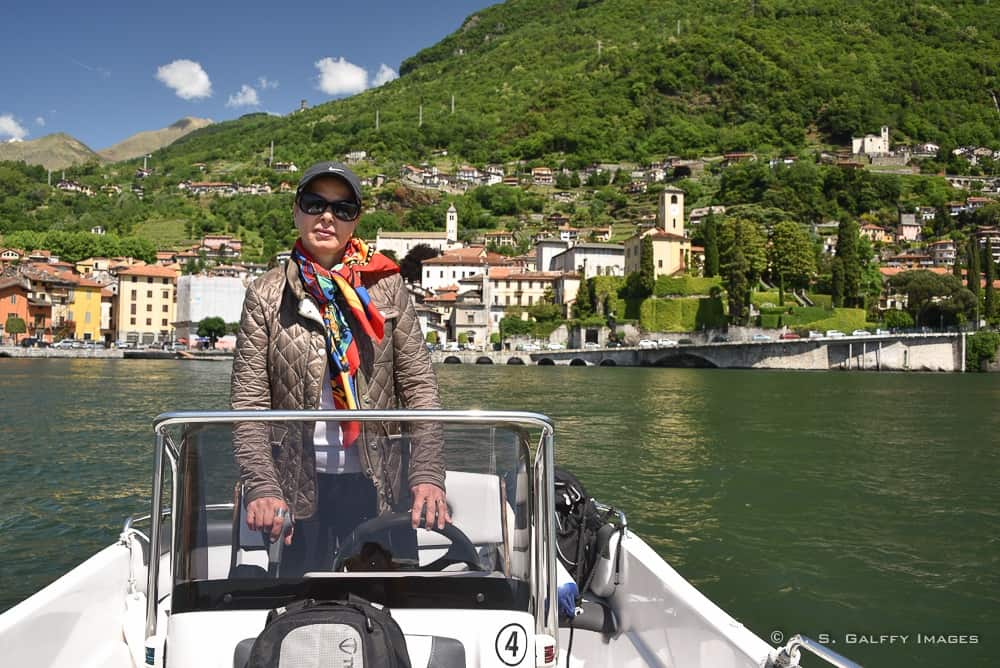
point(451, 224)
point(671, 214)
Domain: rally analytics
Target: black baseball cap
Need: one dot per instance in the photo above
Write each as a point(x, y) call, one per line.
point(330, 169)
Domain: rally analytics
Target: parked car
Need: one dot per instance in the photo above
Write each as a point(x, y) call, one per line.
point(66, 344)
point(33, 342)
point(684, 342)
point(834, 334)
point(647, 344)
point(882, 332)
point(813, 334)
point(591, 345)
point(665, 343)
point(613, 344)
point(720, 338)
point(760, 337)
point(861, 332)
point(789, 335)
point(555, 346)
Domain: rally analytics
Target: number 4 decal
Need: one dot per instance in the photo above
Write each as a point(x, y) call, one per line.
point(512, 644)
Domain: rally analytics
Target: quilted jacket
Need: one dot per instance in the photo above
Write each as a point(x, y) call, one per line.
point(280, 363)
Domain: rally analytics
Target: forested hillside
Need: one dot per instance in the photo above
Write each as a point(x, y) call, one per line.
point(631, 79)
point(566, 83)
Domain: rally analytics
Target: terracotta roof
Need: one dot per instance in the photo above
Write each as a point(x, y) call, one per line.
point(149, 270)
point(515, 275)
point(892, 271)
point(12, 281)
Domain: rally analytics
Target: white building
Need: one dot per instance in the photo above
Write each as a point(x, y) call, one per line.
point(401, 243)
point(591, 260)
point(200, 297)
point(546, 249)
point(908, 229)
point(448, 269)
point(871, 144)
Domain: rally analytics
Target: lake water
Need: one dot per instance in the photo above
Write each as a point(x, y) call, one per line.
point(851, 505)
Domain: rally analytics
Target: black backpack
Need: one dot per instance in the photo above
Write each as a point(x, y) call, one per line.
point(578, 522)
point(330, 633)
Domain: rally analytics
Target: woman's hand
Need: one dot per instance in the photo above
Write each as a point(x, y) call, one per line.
point(429, 500)
point(268, 514)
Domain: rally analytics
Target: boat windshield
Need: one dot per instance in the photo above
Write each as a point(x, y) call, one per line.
point(359, 541)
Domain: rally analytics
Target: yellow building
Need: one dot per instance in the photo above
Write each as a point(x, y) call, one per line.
point(85, 310)
point(671, 247)
point(147, 297)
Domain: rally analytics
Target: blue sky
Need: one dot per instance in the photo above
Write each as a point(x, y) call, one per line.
point(101, 71)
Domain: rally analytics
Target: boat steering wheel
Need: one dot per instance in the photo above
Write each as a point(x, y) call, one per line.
point(461, 551)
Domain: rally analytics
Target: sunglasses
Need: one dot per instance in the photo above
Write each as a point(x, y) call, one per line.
point(315, 205)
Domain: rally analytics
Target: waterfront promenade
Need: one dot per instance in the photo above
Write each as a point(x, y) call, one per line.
point(895, 352)
point(891, 352)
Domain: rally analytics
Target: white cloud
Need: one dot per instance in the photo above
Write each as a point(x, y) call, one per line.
point(40, 121)
point(247, 97)
point(264, 83)
point(10, 129)
point(339, 77)
point(186, 78)
point(384, 75)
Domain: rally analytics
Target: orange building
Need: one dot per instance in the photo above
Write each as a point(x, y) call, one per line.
point(14, 304)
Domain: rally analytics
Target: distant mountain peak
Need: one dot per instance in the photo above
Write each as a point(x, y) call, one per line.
point(142, 143)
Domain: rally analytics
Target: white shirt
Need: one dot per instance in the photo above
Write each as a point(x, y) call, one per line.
point(331, 456)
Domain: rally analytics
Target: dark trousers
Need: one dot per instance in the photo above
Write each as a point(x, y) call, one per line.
point(343, 502)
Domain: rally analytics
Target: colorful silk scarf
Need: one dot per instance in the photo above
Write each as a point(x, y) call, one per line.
point(342, 288)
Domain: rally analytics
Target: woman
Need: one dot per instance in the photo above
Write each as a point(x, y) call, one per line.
point(334, 328)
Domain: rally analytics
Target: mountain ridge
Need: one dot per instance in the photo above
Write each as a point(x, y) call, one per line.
point(148, 141)
point(60, 150)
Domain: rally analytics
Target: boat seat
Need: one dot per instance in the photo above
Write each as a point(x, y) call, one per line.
point(597, 616)
point(424, 651)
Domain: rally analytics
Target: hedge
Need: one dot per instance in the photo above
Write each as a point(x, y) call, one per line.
point(681, 315)
point(685, 286)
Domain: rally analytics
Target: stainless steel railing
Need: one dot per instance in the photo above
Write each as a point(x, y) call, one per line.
point(543, 580)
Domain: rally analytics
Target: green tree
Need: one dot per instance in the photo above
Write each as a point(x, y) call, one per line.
point(847, 253)
point(898, 319)
point(412, 264)
point(929, 294)
point(973, 271)
point(791, 255)
point(15, 326)
point(584, 304)
point(431, 337)
point(213, 327)
point(980, 350)
point(737, 284)
point(711, 241)
point(837, 282)
point(990, 308)
point(647, 273)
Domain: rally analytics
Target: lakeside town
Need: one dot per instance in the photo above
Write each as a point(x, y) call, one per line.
point(472, 285)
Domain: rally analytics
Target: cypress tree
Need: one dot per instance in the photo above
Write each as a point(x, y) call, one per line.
point(837, 281)
point(847, 253)
point(956, 267)
point(647, 273)
point(584, 300)
point(990, 297)
point(972, 277)
point(711, 247)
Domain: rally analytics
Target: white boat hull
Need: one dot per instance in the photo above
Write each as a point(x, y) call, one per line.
point(88, 618)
